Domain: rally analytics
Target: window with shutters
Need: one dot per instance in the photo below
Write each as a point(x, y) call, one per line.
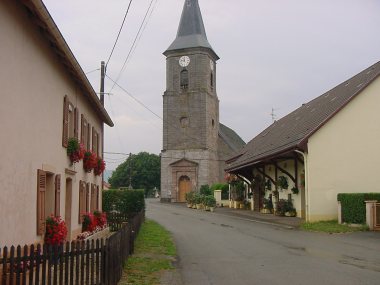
point(93, 198)
point(82, 200)
point(95, 141)
point(97, 197)
point(85, 132)
point(88, 197)
point(57, 206)
point(41, 190)
point(70, 121)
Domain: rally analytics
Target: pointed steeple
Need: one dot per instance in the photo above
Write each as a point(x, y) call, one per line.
point(191, 31)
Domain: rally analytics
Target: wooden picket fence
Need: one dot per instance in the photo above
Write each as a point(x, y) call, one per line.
point(79, 262)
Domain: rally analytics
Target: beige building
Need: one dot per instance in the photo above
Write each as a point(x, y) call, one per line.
point(45, 100)
point(329, 145)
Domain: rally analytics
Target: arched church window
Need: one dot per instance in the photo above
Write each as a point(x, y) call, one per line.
point(212, 80)
point(184, 79)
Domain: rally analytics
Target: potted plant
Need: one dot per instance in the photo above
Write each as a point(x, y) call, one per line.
point(282, 182)
point(285, 208)
point(210, 203)
point(189, 199)
point(89, 161)
point(295, 190)
point(198, 200)
point(268, 185)
point(56, 231)
point(75, 150)
point(267, 206)
point(100, 166)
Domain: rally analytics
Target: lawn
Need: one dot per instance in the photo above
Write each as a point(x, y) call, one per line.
point(332, 227)
point(154, 253)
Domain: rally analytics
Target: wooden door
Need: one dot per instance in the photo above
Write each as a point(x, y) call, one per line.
point(183, 188)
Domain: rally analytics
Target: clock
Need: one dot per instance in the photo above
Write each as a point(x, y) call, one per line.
point(184, 61)
point(211, 65)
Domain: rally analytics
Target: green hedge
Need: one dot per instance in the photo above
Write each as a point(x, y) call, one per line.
point(126, 201)
point(353, 206)
point(223, 187)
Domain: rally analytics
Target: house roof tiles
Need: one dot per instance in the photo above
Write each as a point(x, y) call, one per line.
point(293, 130)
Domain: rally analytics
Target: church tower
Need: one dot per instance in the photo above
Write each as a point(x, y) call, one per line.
point(189, 157)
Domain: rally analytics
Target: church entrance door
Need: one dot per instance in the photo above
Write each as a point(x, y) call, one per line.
point(184, 186)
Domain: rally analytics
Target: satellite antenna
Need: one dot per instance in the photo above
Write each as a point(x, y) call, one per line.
point(273, 115)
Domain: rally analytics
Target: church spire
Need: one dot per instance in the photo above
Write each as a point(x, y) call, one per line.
point(191, 31)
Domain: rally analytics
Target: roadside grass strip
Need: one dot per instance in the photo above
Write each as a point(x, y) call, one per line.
point(332, 227)
point(154, 253)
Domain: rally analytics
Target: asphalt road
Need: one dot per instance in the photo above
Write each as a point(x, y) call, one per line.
point(225, 250)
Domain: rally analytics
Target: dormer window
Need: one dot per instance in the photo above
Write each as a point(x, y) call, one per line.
point(184, 79)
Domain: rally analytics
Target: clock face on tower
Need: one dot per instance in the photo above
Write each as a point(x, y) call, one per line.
point(184, 61)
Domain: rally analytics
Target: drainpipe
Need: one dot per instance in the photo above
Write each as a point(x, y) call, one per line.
point(306, 166)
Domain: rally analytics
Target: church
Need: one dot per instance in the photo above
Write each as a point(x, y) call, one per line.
point(195, 143)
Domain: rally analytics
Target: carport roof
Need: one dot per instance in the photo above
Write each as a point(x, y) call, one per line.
point(292, 131)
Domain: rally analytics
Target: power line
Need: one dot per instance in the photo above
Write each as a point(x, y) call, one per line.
point(158, 116)
point(132, 47)
point(92, 71)
point(118, 35)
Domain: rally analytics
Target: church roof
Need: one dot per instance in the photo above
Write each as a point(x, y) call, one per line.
point(293, 131)
point(231, 138)
point(191, 31)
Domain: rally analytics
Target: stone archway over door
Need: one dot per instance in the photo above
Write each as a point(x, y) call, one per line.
point(184, 186)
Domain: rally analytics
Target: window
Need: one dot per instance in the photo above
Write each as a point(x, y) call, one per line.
point(95, 141)
point(212, 81)
point(57, 186)
point(94, 197)
point(85, 133)
point(41, 190)
point(184, 78)
point(70, 121)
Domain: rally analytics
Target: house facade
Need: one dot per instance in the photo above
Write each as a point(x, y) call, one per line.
point(329, 145)
point(46, 99)
point(195, 143)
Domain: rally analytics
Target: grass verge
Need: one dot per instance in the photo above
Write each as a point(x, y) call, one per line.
point(154, 253)
point(332, 227)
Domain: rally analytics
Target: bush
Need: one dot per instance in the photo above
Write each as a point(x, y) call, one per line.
point(209, 201)
point(223, 187)
point(205, 190)
point(353, 206)
point(284, 206)
point(127, 202)
point(197, 198)
point(190, 197)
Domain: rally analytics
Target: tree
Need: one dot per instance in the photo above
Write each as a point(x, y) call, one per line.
point(142, 171)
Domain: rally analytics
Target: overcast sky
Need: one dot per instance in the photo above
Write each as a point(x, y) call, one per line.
point(273, 54)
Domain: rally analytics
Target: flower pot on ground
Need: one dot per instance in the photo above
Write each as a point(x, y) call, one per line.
point(210, 202)
point(198, 200)
point(291, 214)
point(265, 211)
point(212, 209)
point(189, 197)
point(284, 206)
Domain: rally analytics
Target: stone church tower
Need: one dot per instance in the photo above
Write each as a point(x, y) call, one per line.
point(192, 139)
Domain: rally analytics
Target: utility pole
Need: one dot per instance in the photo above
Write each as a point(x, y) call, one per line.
point(102, 76)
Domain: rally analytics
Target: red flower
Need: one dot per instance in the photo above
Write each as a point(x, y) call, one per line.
point(56, 230)
point(89, 161)
point(100, 166)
